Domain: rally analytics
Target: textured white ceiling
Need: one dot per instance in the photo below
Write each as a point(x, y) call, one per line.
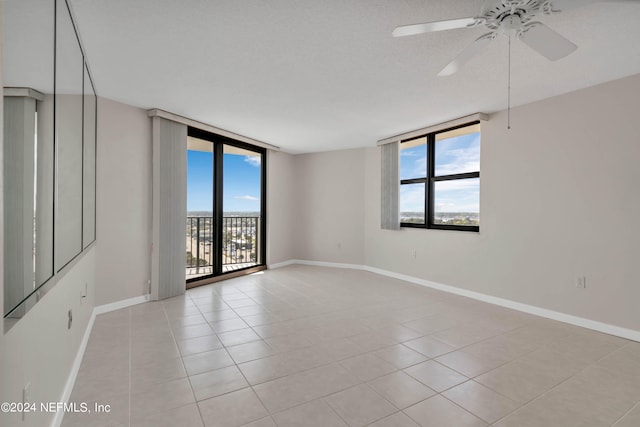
point(311, 75)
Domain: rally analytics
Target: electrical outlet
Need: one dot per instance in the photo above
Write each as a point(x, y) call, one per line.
point(70, 319)
point(414, 254)
point(581, 282)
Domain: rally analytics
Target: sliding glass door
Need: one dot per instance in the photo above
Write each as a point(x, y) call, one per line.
point(225, 207)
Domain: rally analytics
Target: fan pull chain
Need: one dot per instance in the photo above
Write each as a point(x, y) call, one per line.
point(509, 89)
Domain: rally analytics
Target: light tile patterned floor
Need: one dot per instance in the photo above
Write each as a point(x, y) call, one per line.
point(309, 346)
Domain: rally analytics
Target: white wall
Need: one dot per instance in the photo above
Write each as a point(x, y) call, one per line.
point(40, 350)
point(281, 211)
point(123, 264)
point(559, 198)
point(329, 206)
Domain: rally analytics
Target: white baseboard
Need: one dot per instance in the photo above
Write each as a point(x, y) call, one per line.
point(281, 264)
point(105, 308)
point(75, 368)
point(71, 379)
point(315, 263)
point(514, 305)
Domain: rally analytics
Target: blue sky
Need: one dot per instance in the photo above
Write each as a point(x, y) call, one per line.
point(453, 155)
point(241, 182)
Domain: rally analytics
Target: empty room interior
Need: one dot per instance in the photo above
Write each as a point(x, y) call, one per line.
point(297, 213)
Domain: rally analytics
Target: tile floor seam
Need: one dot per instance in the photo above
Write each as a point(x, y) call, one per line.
point(303, 403)
point(529, 353)
point(478, 342)
point(496, 392)
point(333, 409)
point(636, 405)
point(298, 405)
point(182, 360)
point(465, 409)
point(391, 403)
point(520, 406)
point(195, 401)
point(251, 386)
point(538, 397)
point(357, 385)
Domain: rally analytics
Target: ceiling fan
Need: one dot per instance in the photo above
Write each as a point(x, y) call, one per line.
point(511, 18)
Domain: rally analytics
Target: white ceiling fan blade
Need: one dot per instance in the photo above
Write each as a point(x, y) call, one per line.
point(468, 53)
point(547, 42)
point(427, 27)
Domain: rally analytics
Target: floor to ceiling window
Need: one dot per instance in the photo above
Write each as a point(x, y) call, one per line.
point(225, 207)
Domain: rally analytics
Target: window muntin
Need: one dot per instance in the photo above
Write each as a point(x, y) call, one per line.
point(440, 179)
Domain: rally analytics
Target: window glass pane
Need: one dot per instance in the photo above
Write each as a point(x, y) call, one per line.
point(458, 151)
point(199, 177)
point(413, 159)
point(412, 197)
point(457, 202)
point(200, 230)
point(241, 220)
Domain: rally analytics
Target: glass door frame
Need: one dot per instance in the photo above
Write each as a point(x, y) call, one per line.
point(217, 274)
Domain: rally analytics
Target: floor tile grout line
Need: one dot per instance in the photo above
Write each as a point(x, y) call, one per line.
point(243, 376)
point(636, 405)
point(546, 392)
point(166, 315)
point(332, 408)
point(249, 385)
point(520, 406)
point(549, 390)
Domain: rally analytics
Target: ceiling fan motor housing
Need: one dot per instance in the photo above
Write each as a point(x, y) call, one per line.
point(513, 17)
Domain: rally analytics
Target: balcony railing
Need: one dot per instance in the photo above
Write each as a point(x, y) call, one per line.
point(240, 244)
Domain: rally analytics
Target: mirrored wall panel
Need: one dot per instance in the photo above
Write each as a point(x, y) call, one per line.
point(49, 150)
point(68, 126)
point(28, 165)
point(89, 162)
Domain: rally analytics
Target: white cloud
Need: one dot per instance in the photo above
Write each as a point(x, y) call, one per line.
point(406, 153)
point(247, 197)
point(462, 195)
point(253, 160)
point(413, 167)
point(461, 159)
